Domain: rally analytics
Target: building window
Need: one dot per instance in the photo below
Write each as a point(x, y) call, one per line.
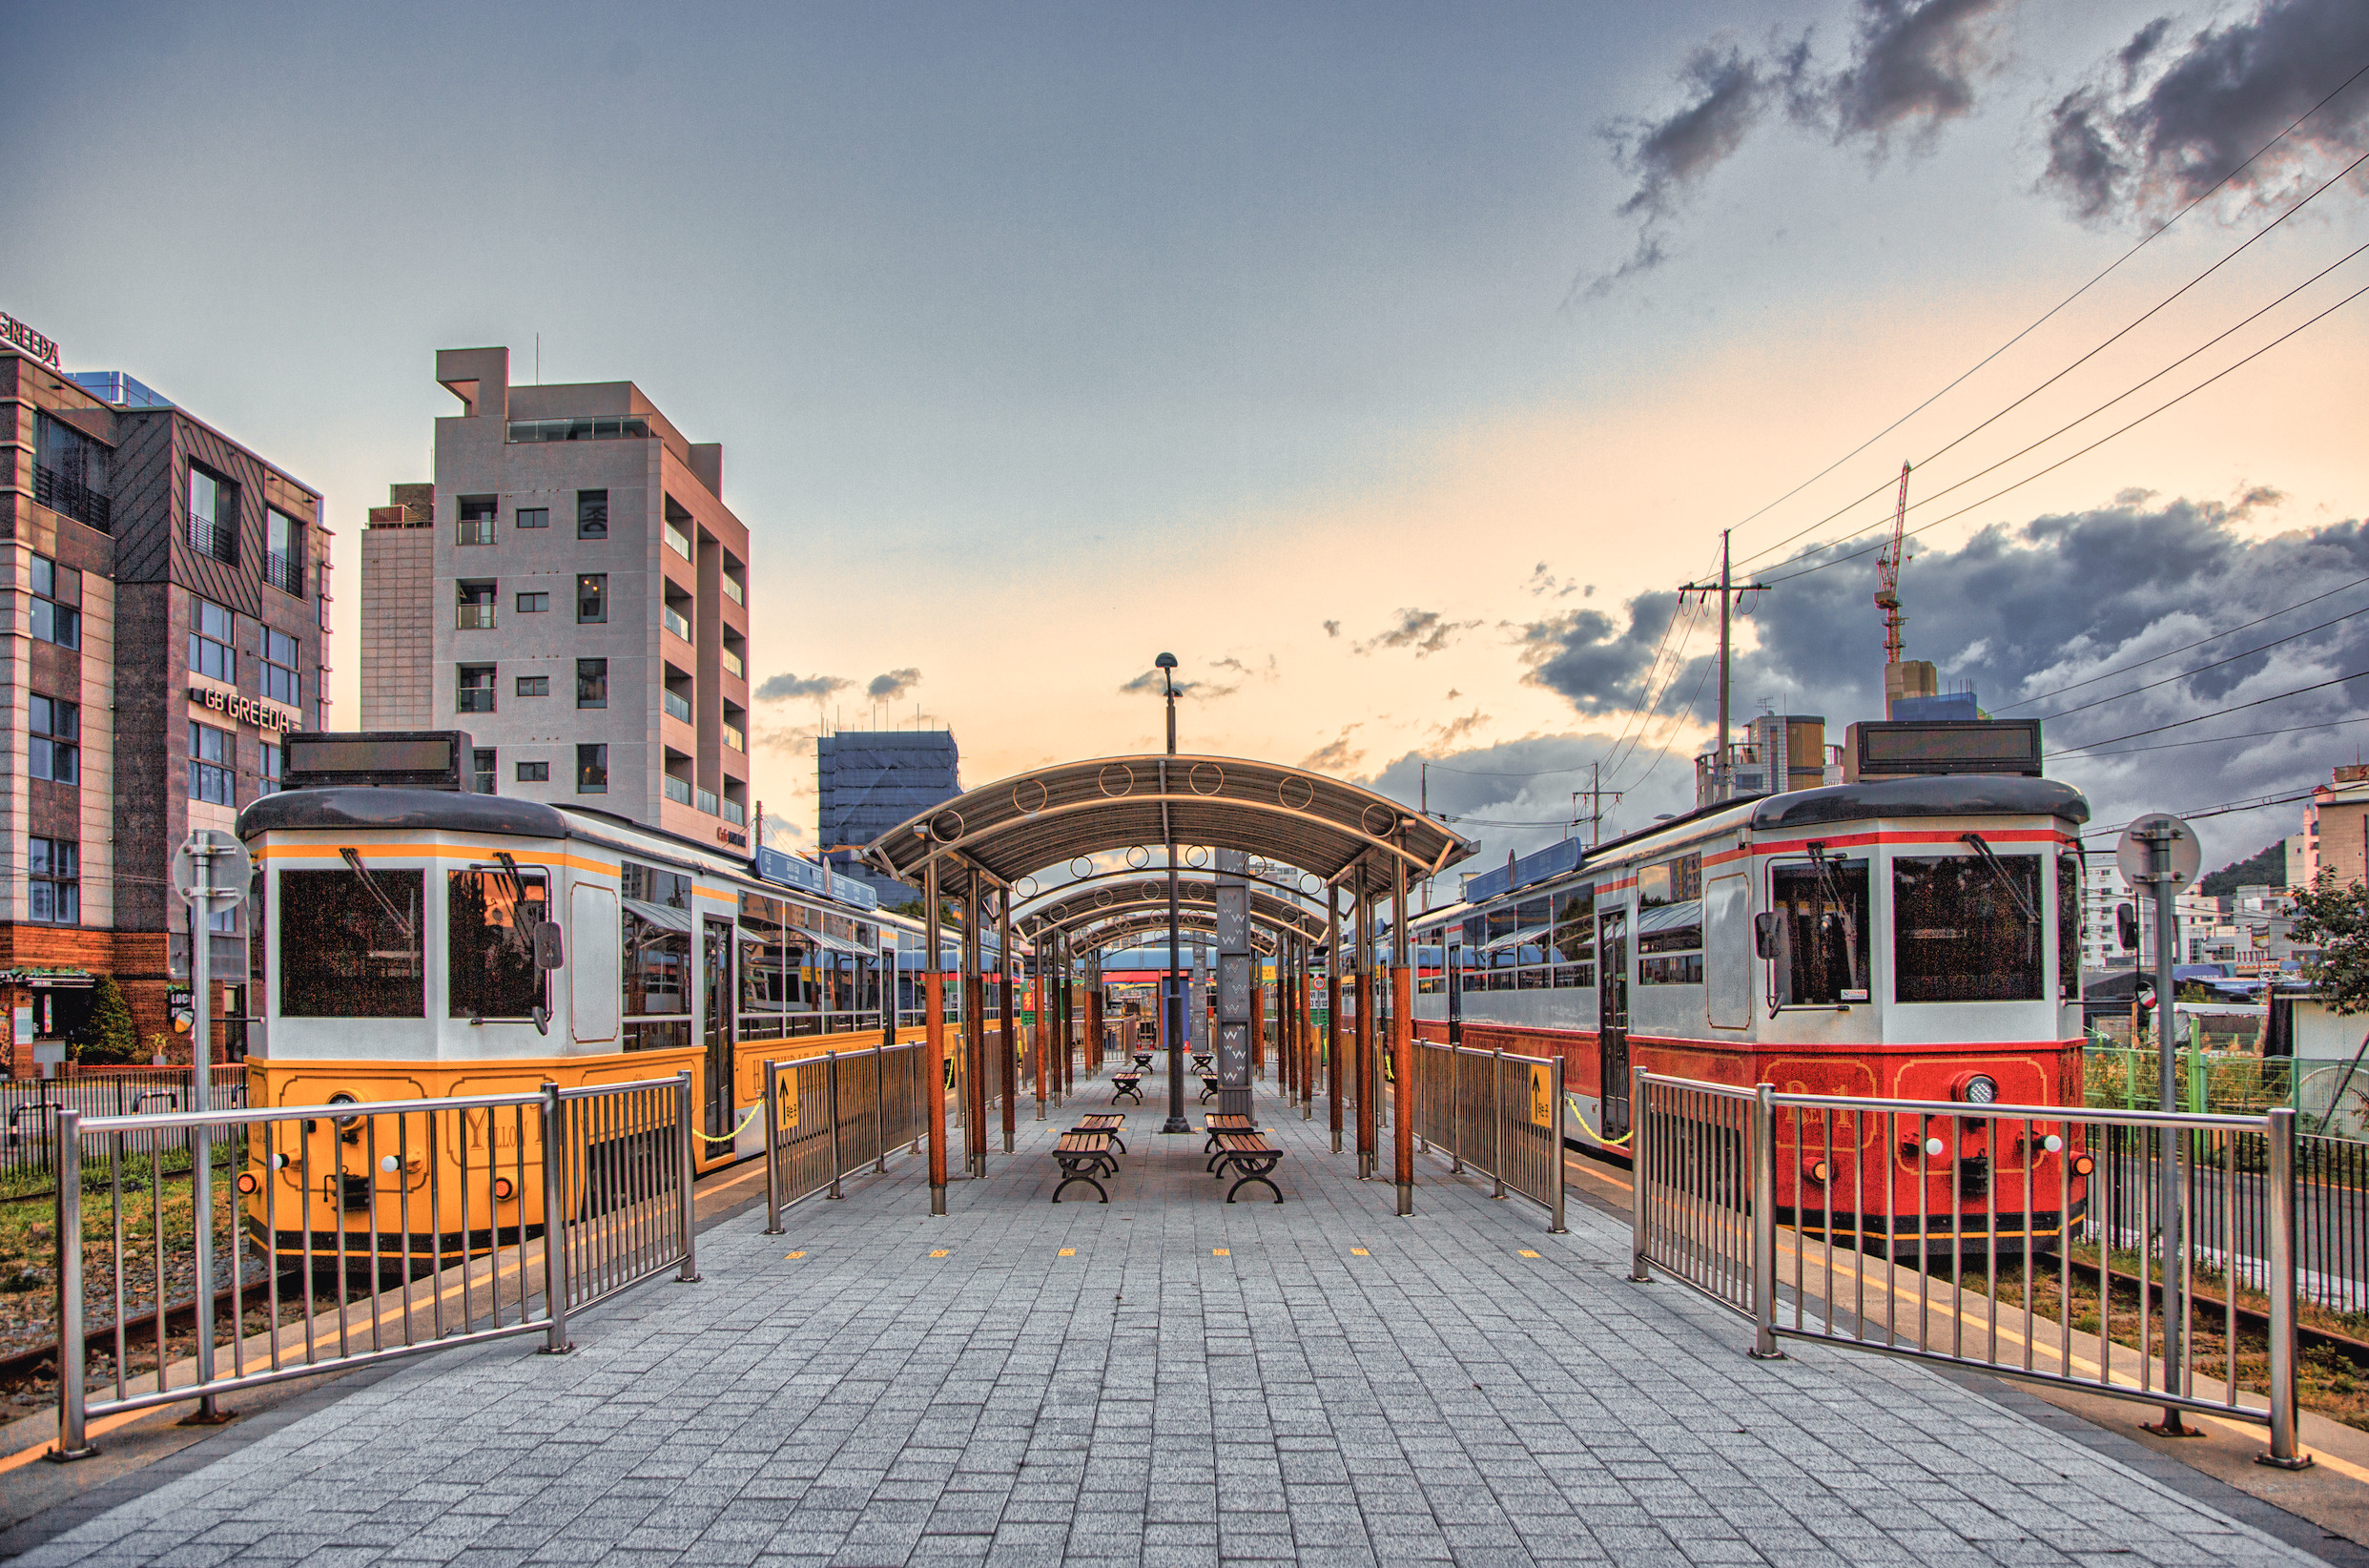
point(281, 659)
point(591, 598)
point(213, 755)
point(533, 603)
point(56, 729)
point(474, 692)
point(592, 683)
point(534, 772)
point(58, 594)
point(213, 515)
point(210, 651)
point(477, 519)
point(591, 514)
point(283, 552)
point(69, 473)
point(476, 605)
point(275, 761)
point(534, 517)
point(54, 890)
point(483, 765)
point(534, 686)
point(592, 770)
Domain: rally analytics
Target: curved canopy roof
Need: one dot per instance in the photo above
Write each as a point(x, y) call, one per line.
point(1070, 913)
point(1000, 832)
point(1131, 930)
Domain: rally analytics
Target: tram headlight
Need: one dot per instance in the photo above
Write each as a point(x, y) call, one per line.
point(1935, 1149)
point(1981, 1089)
point(2052, 1145)
point(388, 1164)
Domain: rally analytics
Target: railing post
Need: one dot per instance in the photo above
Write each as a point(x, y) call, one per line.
point(1497, 1113)
point(71, 1443)
point(773, 1142)
point(879, 1109)
point(830, 1086)
point(689, 1275)
point(1555, 1156)
point(1764, 1224)
point(1640, 1156)
point(2279, 1180)
point(554, 1226)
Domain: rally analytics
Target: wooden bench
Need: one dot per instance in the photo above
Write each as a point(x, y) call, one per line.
point(1085, 1156)
point(1201, 1061)
point(1208, 1087)
point(1109, 1122)
point(1218, 1122)
point(1250, 1158)
point(1126, 1084)
point(1142, 1061)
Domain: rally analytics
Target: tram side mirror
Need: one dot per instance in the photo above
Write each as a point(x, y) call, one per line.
point(2126, 926)
point(551, 948)
point(1764, 935)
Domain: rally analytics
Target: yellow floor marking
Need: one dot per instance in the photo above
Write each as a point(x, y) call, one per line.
point(787, 1256)
point(939, 1253)
point(1069, 1251)
point(1220, 1253)
point(91, 1431)
point(1359, 1253)
point(1526, 1252)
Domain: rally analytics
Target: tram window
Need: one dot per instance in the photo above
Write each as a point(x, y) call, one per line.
point(1535, 912)
point(1476, 932)
point(1669, 933)
point(1821, 953)
point(490, 949)
point(1533, 979)
point(2068, 926)
point(653, 886)
point(1570, 976)
point(1503, 922)
point(1574, 928)
point(1966, 929)
point(349, 945)
point(1674, 881)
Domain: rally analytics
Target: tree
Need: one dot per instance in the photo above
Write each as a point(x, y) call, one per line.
point(2264, 867)
point(2335, 917)
point(107, 1038)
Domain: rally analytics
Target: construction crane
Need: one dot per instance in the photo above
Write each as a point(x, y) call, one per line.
point(1887, 573)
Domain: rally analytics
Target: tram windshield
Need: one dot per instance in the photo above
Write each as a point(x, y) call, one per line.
point(349, 945)
point(1966, 928)
point(1821, 958)
point(491, 919)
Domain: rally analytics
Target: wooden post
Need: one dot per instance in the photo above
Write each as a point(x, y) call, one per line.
point(1402, 1036)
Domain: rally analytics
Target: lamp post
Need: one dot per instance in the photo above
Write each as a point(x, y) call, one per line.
point(1173, 990)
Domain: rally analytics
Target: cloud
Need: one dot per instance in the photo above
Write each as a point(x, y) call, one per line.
point(1915, 65)
point(894, 683)
point(1335, 755)
point(1541, 582)
point(1425, 631)
point(1458, 728)
point(2160, 122)
point(1601, 665)
point(1149, 681)
point(1332, 629)
point(784, 686)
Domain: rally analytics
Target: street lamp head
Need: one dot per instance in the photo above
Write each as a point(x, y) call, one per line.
point(1165, 661)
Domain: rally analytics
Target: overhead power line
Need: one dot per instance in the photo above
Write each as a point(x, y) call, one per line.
point(2261, 648)
point(2224, 740)
point(2238, 708)
point(2199, 813)
point(2156, 658)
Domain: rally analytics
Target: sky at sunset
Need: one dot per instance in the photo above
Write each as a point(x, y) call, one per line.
point(1390, 365)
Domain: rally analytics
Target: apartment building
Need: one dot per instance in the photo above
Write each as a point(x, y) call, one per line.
point(588, 602)
point(164, 628)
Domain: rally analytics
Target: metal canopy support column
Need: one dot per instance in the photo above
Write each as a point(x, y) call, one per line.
point(934, 1029)
point(1061, 1085)
point(1282, 1017)
point(1332, 1007)
point(1007, 1068)
point(974, 1036)
point(1038, 1028)
point(1402, 1037)
point(1237, 992)
point(1369, 1154)
point(1308, 1035)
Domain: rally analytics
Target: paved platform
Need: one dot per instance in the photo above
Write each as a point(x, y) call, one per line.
point(1159, 1380)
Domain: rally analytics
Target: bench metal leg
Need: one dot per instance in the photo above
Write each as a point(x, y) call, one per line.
point(1257, 1174)
point(1081, 1173)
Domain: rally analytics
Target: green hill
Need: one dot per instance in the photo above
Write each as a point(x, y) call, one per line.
point(2267, 865)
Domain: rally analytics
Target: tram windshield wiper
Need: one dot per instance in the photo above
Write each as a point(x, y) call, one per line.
point(1983, 852)
point(402, 921)
point(1831, 887)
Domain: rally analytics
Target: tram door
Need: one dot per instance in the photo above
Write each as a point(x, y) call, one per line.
point(1612, 1019)
point(716, 1011)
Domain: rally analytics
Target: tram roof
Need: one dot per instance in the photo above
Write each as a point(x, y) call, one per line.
point(999, 832)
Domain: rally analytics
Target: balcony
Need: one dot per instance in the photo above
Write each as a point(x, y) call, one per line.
point(732, 590)
point(736, 814)
point(71, 498)
point(475, 531)
point(707, 802)
point(732, 666)
point(677, 707)
point(678, 790)
point(476, 699)
point(735, 738)
point(678, 542)
point(475, 618)
point(584, 429)
point(673, 620)
point(285, 572)
point(219, 539)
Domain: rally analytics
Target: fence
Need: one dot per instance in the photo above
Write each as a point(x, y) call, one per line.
point(370, 1231)
point(30, 1107)
point(827, 1117)
point(1500, 1114)
point(1729, 1181)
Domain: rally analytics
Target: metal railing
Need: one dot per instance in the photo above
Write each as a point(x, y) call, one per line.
point(829, 1116)
point(1500, 1114)
point(2022, 1240)
point(354, 1232)
point(219, 539)
point(30, 1107)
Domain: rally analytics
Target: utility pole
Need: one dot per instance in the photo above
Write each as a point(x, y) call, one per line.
point(1728, 594)
point(1596, 796)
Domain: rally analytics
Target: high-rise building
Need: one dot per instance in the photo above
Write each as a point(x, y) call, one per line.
point(166, 622)
point(588, 595)
point(397, 610)
point(867, 781)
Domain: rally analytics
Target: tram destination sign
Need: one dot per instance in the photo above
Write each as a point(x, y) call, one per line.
point(408, 759)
